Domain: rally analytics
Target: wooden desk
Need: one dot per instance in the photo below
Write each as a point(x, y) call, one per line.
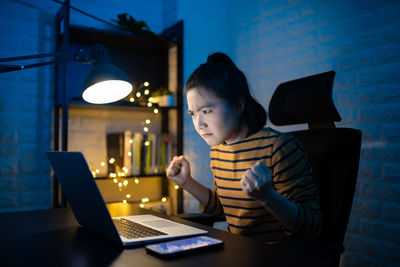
point(54, 238)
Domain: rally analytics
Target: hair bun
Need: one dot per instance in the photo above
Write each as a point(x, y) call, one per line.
point(219, 58)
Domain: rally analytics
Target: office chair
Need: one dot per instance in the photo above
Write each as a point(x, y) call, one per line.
point(333, 153)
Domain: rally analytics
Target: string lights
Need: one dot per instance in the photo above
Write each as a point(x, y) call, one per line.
point(142, 97)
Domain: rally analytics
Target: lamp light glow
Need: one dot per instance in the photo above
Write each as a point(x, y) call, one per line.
point(107, 91)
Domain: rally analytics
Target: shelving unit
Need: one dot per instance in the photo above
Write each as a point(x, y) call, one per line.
point(142, 59)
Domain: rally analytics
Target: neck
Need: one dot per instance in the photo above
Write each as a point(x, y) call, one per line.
point(240, 134)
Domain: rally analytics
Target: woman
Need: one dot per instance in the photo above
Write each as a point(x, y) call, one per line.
point(263, 184)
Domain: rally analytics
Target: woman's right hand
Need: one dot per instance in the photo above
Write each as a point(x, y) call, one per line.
point(179, 171)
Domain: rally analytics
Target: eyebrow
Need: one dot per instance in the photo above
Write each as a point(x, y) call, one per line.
point(203, 106)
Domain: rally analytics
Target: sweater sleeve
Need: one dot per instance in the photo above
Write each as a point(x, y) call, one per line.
point(292, 178)
point(214, 206)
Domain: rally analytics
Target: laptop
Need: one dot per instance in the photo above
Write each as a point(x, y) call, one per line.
point(90, 210)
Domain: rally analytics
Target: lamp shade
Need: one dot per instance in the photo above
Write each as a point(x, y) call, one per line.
point(105, 83)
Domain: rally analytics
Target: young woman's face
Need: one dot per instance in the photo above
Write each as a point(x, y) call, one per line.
point(215, 120)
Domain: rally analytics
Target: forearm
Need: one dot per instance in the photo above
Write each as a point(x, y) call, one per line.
point(282, 208)
point(200, 192)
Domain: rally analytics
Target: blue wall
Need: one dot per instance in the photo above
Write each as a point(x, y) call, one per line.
point(276, 41)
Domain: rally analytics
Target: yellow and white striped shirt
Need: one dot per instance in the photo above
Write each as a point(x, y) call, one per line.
point(291, 177)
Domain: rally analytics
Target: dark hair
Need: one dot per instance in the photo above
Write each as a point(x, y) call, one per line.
point(221, 76)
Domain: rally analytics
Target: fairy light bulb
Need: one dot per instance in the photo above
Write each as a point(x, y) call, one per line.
point(103, 163)
point(136, 181)
point(164, 199)
point(141, 205)
point(119, 184)
point(130, 141)
point(155, 110)
point(115, 180)
point(146, 92)
point(125, 182)
point(146, 129)
point(128, 195)
point(124, 201)
point(146, 84)
point(148, 121)
point(111, 161)
point(146, 143)
point(97, 171)
point(138, 94)
point(131, 99)
point(129, 154)
point(176, 187)
point(149, 104)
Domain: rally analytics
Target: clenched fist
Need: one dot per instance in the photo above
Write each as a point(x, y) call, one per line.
point(179, 171)
point(256, 182)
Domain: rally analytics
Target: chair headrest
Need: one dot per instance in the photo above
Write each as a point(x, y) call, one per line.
point(304, 100)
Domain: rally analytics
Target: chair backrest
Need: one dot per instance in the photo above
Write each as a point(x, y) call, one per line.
point(333, 153)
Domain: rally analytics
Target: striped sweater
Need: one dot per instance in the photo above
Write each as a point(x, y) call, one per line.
point(291, 177)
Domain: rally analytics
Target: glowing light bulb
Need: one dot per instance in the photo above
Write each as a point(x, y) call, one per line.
point(129, 154)
point(125, 182)
point(128, 195)
point(136, 181)
point(156, 110)
point(146, 129)
point(124, 201)
point(119, 184)
point(146, 92)
point(115, 180)
point(102, 163)
point(138, 94)
point(164, 199)
point(176, 187)
point(146, 143)
point(146, 83)
point(148, 121)
point(130, 141)
point(97, 170)
point(125, 169)
point(149, 104)
point(141, 205)
point(94, 173)
point(131, 99)
point(111, 161)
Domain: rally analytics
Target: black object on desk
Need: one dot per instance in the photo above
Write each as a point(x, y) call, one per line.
point(54, 238)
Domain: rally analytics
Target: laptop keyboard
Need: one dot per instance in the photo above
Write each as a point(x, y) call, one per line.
point(130, 229)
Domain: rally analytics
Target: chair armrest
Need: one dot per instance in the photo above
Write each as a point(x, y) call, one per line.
point(201, 218)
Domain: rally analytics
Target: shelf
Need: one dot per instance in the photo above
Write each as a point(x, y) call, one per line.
point(119, 104)
point(152, 175)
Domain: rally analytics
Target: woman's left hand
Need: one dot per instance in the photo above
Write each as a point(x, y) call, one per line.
point(256, 182)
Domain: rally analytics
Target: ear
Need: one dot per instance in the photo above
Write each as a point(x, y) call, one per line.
point(240, 106)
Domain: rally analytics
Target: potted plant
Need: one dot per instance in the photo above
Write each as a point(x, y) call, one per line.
point(163, 97)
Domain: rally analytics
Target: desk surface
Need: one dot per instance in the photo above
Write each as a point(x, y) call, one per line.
point(54, 238)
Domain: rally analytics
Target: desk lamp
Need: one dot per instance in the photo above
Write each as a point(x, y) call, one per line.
point(105, 83)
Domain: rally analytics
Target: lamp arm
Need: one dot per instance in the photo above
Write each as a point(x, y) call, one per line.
point(76, 56)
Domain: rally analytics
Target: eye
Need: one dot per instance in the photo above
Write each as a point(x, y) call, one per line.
point(206, 111)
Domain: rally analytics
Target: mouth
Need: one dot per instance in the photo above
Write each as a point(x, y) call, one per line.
point(206, 135)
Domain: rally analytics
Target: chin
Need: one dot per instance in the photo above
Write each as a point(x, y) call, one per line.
point(213, 142)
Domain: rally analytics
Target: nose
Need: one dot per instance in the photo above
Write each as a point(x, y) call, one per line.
point(200, 123)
